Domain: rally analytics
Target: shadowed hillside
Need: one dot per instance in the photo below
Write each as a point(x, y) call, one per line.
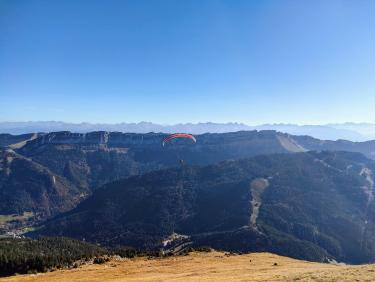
point(314, 206)
point(27, 186)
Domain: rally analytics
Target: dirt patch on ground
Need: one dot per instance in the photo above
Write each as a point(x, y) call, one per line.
point(289, 144)
point(214, 266)
point(257, 187)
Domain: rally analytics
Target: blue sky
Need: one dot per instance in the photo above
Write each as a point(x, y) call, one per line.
point(305, 62)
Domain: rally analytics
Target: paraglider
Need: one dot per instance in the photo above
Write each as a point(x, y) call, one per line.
point(178, 135)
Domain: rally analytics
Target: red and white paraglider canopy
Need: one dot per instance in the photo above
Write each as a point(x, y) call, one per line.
point(178, 135)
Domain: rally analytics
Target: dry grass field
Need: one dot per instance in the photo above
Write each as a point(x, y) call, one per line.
point(213, 266)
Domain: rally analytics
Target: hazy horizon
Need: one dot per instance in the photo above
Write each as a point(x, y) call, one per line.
point(193, 123)
point(347, 131)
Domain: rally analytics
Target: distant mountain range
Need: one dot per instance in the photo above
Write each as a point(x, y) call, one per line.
point(347, 131)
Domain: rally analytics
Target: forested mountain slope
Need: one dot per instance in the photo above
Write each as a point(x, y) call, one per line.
point(305, 205)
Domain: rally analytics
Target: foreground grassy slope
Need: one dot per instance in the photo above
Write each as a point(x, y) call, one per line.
point(214, 266)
